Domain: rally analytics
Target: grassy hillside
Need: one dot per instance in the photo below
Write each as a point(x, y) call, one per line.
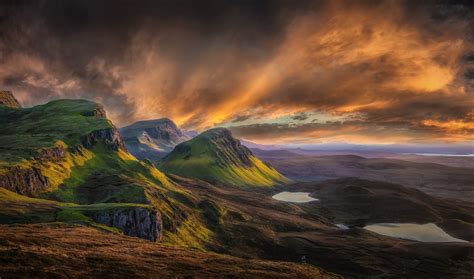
point(26, 130)
point(215, 156)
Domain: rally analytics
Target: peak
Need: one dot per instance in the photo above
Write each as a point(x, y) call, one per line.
point(216, 156)
point(7, 99)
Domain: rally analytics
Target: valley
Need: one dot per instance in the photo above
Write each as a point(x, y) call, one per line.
point(436, 179)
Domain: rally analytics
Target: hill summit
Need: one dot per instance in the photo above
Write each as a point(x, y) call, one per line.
point(216, 156)
point(152, 139)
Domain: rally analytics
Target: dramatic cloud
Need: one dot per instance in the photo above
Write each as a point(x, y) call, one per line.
point(272, 71)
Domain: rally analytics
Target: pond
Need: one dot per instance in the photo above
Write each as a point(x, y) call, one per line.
point(297, 197)
point(425, 233)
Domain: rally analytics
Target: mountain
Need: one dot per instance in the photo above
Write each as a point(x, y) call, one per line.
point(153, 139)
point(216, 156)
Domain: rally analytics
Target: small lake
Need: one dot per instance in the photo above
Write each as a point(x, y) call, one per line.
point(297, 197)
point(424, 233)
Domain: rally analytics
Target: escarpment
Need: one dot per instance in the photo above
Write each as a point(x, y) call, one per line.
point(139, 222)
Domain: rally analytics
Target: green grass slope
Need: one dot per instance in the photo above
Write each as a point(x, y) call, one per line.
point(215, 156)
point(26, 130)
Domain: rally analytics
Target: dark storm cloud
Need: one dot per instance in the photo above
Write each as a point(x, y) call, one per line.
point(88, 43)
point(399, 65)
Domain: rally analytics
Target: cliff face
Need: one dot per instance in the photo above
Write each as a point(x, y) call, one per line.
point(29, 181)
point(110, 137)
point(25, 181)
point(7, 99)
point(138, 222)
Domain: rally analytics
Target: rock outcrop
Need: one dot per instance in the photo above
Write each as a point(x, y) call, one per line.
point(7, 99)
point(29, 181)
point(110, 137)
point(25, 181)
point(139, 222)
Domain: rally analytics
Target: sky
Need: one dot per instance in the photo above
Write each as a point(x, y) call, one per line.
point(274, 72)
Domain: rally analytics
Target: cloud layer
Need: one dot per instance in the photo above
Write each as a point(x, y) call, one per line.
point(318, 71)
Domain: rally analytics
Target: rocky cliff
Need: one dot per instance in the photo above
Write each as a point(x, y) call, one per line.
point(140, 222)
point(7, 99)
point(25, 181)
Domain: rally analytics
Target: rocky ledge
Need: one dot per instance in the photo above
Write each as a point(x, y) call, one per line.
point(139, 222)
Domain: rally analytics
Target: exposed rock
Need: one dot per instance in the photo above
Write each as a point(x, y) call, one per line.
point(55, 154)
point(7, 99)
point(111, 137)
point(140, 222)
point(24, 181)
point(30, 181)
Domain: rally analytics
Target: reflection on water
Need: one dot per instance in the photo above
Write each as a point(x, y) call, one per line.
point(298, 197)
point(424, 233)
